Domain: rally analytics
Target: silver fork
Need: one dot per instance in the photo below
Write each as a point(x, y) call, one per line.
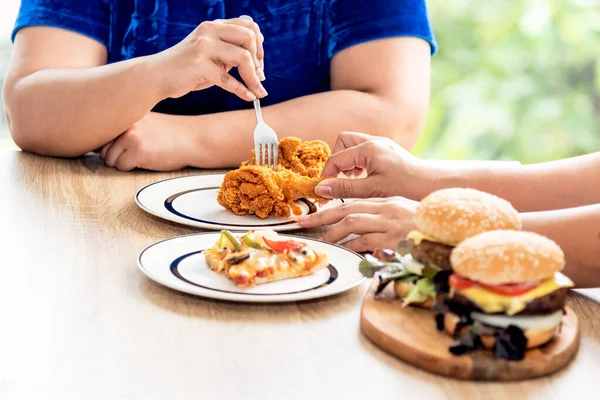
point(266, 145)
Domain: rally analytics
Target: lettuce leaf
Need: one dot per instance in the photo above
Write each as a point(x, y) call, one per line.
point(400, 266)
point(421, 290)
point(369, 265)
point(430, 271)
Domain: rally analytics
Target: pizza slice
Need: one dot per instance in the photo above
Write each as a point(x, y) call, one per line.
point(261, 257)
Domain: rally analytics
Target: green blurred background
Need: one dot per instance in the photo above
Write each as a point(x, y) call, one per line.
point(513, 79)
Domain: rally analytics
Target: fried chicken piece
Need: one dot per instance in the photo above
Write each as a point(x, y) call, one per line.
point(305, 158)
point(258, 190)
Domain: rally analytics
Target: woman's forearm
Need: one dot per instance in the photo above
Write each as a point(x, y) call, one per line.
point(227, 137)
point(547, 186)
point(577, 232)
point(68, 112)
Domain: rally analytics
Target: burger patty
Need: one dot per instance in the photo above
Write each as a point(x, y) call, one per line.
point(544, 305)
point(431, 252)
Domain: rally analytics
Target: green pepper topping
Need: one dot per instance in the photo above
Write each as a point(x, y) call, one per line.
point(232, 240)
point(248, 241)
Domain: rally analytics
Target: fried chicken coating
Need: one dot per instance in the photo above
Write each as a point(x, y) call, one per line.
point(258, 190)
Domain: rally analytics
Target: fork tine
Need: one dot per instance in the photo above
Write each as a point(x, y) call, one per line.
point(267, 153)
point(262, 154)
point(257, 153)
point(271, 163)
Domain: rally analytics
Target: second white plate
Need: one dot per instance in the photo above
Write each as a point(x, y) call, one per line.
point(178, 263)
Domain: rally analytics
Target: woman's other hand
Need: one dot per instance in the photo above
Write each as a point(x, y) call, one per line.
point(380, 223)
point(152, 143)
point(204, 58)
point(390, 169)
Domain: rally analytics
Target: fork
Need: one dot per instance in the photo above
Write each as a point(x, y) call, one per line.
point(266, 145)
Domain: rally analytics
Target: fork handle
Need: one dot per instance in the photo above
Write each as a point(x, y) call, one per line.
point(256, 101)
point(259, 117)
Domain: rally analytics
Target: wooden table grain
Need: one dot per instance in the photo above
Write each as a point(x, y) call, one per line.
point(80, 321)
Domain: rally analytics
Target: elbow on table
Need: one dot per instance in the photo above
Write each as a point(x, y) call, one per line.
point(29, 144)
point(31, 140)
point(27, 133)
point(19, 135)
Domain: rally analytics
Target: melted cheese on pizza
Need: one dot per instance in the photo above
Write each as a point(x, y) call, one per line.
point(248, 266)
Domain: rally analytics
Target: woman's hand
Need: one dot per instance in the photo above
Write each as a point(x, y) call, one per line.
point(204, 58)
point(391, 170)
point(381, 223)
point(152, 143)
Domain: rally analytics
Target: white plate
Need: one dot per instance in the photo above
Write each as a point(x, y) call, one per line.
point(192, 201)
point(178, 263)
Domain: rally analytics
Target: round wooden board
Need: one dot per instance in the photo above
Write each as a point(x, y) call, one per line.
point(411, 335)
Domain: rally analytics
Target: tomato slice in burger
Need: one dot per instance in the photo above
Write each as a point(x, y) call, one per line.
point(458, 282)
point(281, 246)
point(511, 289)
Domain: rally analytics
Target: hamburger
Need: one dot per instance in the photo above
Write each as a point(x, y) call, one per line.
point(442, 219)
point(506, 293)
point(447, 217)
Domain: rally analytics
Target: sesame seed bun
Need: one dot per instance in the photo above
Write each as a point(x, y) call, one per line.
point(535, 337)
point(501, 257)
point(402, 289)
point(453, 215)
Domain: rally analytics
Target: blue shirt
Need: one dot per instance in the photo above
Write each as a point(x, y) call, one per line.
point(301, 36)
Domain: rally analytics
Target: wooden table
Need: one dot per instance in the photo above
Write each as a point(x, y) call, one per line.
point(80, 321)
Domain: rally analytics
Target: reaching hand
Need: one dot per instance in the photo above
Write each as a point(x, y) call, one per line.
point(391, 170)
point(204, 58)
point(381, 223)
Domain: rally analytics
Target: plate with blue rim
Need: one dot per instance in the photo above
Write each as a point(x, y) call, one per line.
point(192, 201)
point(178, 263)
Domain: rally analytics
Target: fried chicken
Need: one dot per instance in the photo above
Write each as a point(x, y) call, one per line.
point(258, 190)
point(254, 189)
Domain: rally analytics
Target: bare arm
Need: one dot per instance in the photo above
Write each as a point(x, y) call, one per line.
point(62, 100)
point(386, 96)
point(577, 232)
point(393, 171)
point(553, 185)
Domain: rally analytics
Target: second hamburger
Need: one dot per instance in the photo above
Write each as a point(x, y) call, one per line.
point(506, 293)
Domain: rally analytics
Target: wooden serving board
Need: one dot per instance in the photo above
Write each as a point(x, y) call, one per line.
point(411, 335)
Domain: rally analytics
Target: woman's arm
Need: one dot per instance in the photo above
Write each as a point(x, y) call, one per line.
point(552, 185)
point(62, 100)
point(60, 97)
point(392, 171)
point(577, 232)
point(386, 96)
